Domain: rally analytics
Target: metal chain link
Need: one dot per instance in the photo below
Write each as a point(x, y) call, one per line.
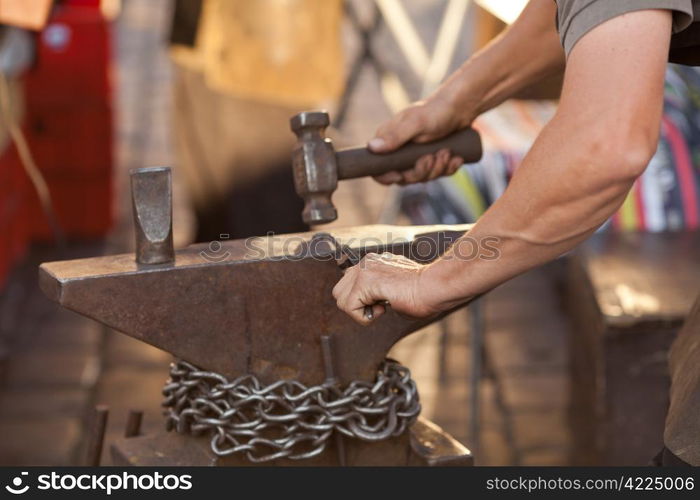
point(287, 419)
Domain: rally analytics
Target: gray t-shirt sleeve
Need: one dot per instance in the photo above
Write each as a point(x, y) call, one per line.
point(575, 18)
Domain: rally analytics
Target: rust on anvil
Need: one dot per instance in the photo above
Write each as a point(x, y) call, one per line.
point(255, 306)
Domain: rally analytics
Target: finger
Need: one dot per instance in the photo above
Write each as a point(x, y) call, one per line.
point(389, 178)
point(342, 289)
point(445, 155)
point(430, 137)
point(358, 303)
point(377, 311)
point(371, 313)
point(370, 257)
point(354, 307)
point(346, 302)
point(442, 158)
point(423, 172)
point(347, 280)
point(454, 165)
point(358, 315)
point(339, 288)
point(397, 131)
point(420, 171)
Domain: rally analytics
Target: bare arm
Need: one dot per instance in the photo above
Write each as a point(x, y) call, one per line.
point(526, 52)
point(576, 175)
point(523, 54)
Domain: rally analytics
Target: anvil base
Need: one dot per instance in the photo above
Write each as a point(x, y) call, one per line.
point(425, 444)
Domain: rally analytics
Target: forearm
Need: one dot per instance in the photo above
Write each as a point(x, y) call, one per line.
point(576, 175)
point(581, 166)
point(523, 54)
point(557, 198)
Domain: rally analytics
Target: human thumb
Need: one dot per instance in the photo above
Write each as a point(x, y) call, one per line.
point(392, 135)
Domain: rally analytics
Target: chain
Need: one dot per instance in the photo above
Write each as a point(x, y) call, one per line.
point(287, 419)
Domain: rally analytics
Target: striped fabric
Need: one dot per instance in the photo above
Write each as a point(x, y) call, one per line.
point(665, 198)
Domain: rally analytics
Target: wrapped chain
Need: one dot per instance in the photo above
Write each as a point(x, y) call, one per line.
point(287, 419)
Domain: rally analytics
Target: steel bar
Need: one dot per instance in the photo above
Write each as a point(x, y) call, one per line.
point(133, 423)
point(96, 436)
point(151, 195)
point(476, 323)
point(329, 365)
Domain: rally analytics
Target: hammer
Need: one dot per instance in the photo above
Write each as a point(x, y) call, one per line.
point(318, 167)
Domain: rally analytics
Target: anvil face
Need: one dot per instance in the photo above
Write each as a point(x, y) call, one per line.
point(256, 306)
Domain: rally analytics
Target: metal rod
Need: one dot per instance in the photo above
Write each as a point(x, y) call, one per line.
point(477, 351)
point(329, 365)
point(442, 353)
point(96, 436)
point(151, 196)
point(133, 423)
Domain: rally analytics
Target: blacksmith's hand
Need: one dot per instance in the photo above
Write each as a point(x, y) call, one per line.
point(423, 121)
point(379, 280)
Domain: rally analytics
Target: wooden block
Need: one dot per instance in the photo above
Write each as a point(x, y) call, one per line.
point(425, 444)
point(627, 296)
point(682, 423)
point(644, 278)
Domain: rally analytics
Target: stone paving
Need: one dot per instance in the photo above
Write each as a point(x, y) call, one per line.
point(55, 365)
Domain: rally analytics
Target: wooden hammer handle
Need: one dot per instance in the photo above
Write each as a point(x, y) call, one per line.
point(361, 162)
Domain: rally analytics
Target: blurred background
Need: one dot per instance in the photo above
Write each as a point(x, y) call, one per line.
point(563, 365)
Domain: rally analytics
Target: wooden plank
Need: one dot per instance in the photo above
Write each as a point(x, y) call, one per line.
point(627, 295)
point(644, 278)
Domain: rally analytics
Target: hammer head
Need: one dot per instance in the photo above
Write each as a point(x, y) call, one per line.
point(314, 166)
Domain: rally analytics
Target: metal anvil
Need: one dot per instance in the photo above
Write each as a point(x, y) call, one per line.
point(257, 306)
